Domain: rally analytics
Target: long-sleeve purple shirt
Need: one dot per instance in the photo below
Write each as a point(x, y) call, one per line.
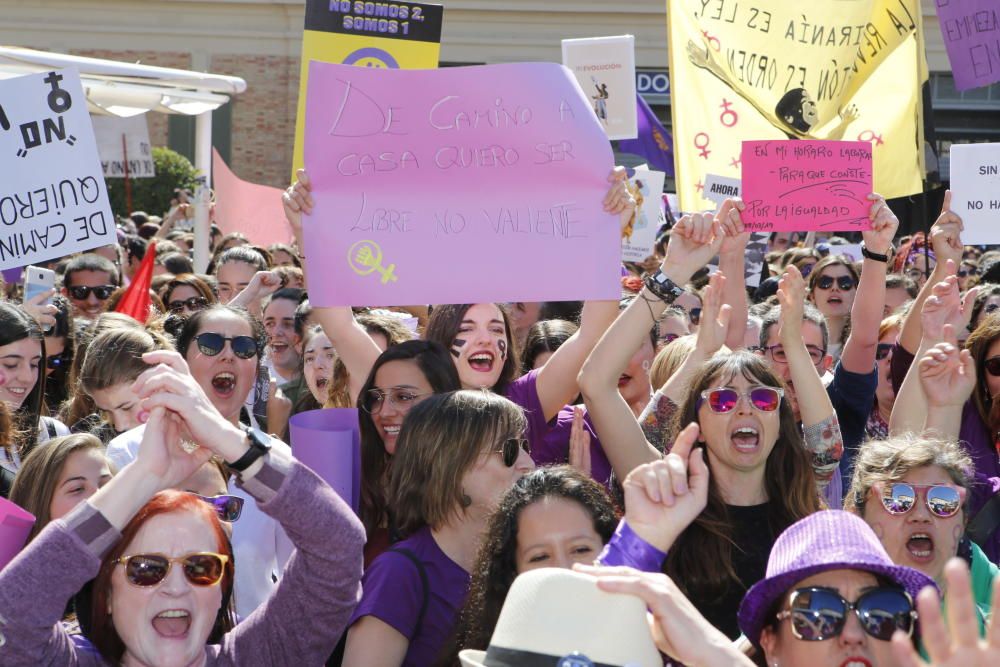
point(299, 624)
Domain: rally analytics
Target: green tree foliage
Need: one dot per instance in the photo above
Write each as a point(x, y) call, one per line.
point(153, 195)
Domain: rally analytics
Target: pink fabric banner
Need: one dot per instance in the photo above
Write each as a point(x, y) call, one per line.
point(456, 185)
point(793, 186)
point(15, 524)
point(241, 206)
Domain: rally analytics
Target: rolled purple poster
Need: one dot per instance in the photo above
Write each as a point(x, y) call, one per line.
point(329, 442)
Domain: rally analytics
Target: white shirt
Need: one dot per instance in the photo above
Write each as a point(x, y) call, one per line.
point(260, 546)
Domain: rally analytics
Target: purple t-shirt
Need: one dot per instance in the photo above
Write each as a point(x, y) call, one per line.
point(524, 392)
point(394, 593)
point(553, 447)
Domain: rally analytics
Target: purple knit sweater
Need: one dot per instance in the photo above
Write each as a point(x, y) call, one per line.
point(299, 624)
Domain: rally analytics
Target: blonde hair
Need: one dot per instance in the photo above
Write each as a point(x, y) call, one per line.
point(670, 358)
point(882, 461)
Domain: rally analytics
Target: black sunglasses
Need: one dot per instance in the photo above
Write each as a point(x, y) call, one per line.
point(882, 350)
point(992, 366)
point(695, 315)
point(819, 614)
point(510, 448)
point(193, 303)
point(845, 283)
point(211, 344)
point(81, 292)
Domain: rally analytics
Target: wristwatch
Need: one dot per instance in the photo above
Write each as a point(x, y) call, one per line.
point(865, 252)
point(260, 444)
point(663, 287)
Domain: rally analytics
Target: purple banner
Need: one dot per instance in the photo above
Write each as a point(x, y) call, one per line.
point(971, 31)
point(329, 442)
point(13, 275)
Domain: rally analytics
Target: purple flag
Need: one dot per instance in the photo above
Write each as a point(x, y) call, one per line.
point(653, 142)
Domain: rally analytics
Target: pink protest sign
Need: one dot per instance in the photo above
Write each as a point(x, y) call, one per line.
point(15, 524)
point(247, 207)
point(456, 185)
point(792, 186)
point(971, 31)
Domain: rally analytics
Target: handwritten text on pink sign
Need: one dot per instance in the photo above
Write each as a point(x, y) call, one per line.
point(456, 185)
point(806, 185)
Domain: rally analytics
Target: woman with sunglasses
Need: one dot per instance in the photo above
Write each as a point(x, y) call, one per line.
point(59, 350)
point(877, 426)
point(220, 350)
point(479, 336)
point(163, 564)
point(760, 465)
point(833, 284)
point(402, 377)
point(186, 294)
point(831, 596)
point(458, 455)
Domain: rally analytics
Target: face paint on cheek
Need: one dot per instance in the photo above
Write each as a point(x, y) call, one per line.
point(502, 345)
point(456, 347)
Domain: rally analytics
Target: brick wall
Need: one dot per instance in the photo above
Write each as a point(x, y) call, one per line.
point(157, 121)
point(263, 117)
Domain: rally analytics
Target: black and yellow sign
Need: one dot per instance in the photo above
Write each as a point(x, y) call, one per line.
point(397, 35)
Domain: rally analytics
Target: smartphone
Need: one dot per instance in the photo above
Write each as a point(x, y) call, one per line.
point(38, 280)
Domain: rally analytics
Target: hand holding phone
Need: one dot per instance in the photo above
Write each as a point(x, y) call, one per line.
point(39, 288)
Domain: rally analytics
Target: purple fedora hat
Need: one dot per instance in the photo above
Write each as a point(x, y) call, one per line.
point(826, 540)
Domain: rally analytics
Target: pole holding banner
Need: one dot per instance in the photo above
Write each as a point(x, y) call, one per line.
point(203, 163)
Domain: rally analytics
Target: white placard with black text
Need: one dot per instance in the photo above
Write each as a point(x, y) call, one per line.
point(53, 200)
point(975, 191)
point(123, 144)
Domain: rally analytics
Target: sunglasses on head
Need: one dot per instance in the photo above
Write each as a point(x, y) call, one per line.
point(845, 283)
point(882, 350)
point(818, 614)
point(193, 303)
point(228, 508)
point(81, 292)
point(724, 399)
point(943, 500)
point(201, 569)
point(211, 344)
point(510, 450)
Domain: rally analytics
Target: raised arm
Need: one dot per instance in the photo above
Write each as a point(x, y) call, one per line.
point(353, 344)
point(694, 241)
point(946, 242)
point(943, 306)
point(858, 355)
point(732, 263)
point(947, 377)
point(557, 380)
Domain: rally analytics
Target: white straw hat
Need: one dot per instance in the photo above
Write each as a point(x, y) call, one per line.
point(559, 618)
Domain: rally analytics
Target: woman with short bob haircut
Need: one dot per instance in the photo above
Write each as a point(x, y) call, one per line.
point(457, 455)
point(913, 491)
point(163, 563)
point(187, 293)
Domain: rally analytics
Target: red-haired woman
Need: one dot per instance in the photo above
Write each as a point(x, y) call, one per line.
point(164, 566)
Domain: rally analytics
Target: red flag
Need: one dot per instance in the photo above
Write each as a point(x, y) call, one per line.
point(135, 301)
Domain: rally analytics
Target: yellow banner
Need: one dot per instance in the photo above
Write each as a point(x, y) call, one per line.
point(397, 35)
point(826, 69)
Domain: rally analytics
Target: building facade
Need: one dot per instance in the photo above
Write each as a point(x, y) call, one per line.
point(260, 41)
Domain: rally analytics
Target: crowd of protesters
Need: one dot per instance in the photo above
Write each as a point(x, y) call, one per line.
point(789, 474)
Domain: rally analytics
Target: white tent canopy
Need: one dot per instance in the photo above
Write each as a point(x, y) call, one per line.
point(129, 89)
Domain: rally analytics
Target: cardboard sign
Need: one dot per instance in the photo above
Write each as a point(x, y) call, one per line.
point(719, 188)
point(431, 187)
point(396, 35)
point(605, 69)
point(971, 31)
point(975, 191)
point(53, 200)
point(124, 142)
point(247, 207)
point(791, 186)
point(640, 236)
